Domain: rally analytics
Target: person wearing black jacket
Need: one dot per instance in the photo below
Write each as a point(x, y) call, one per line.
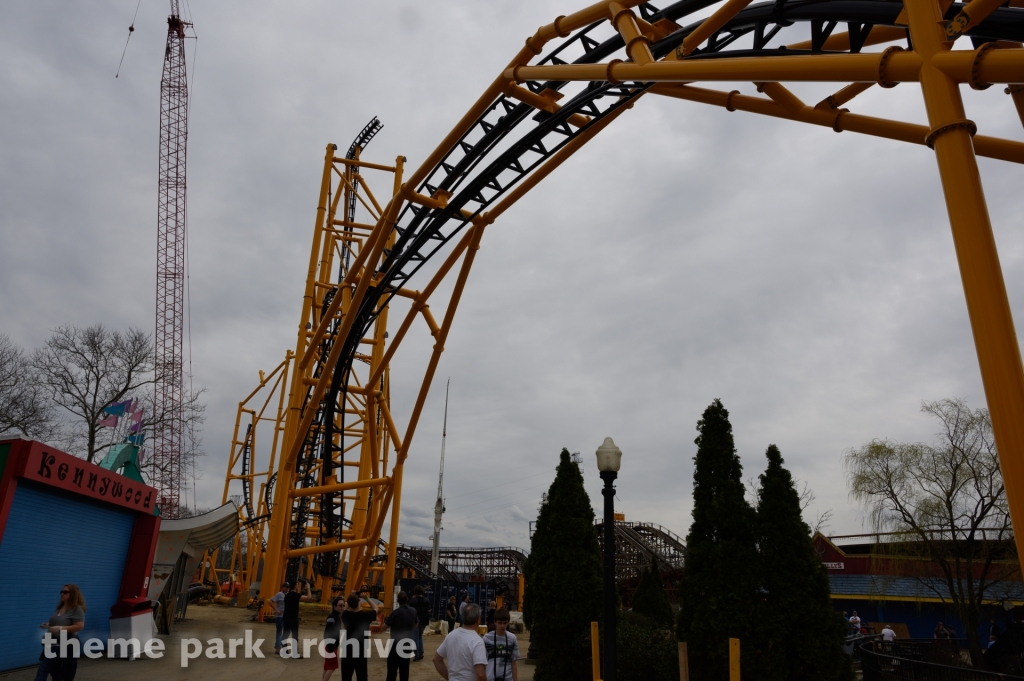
point(403, 622)
point(421, 605)
point(290, 618)
point(332, 636)
point(451, 614)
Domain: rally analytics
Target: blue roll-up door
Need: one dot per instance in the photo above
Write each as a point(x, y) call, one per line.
point(51, 539)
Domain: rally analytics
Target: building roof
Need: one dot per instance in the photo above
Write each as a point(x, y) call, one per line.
point(883, 587)
point(206, 531)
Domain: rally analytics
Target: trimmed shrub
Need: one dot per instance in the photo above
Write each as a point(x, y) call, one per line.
point(646, 650)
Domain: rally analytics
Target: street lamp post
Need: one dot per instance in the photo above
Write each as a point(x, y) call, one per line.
point(608, 459)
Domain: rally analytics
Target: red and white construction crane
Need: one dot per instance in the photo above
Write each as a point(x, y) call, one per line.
point(166, 464)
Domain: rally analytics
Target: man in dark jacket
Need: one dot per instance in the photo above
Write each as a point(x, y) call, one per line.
point(421, 605)
point(403, 622)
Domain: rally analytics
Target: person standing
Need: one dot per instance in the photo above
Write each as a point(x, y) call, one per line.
point(492, 608)
point(278, 601)
point(888, 635)
point(940, 631)
point(451, 614)
point(854, 623)
point(502, 650)
point(69, 617)
point(462, 607)
point(290, 615)
point(332, 637)
point(402, 623)
point(462, 655)
point(355, 647)
point(421, 605)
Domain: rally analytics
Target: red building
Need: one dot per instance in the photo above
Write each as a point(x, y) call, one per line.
point(886, 583)
point(66, 521)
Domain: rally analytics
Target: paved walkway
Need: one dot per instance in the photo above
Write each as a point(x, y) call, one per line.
point(207, 622)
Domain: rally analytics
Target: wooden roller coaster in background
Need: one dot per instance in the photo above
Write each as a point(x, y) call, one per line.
point(336, 452)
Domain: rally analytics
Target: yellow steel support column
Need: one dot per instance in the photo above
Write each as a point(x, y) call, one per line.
point(396, 508)
point(595, 652)
point(995, 338)
point(380, 374)
point(274, 562)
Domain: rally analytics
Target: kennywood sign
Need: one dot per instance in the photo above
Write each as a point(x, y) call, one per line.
point(55, 468)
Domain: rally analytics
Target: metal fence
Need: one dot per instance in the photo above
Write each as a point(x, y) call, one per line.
point(180, 606)
point(920, 660)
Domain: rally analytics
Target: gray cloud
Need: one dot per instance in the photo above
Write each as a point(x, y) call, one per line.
point(806, 278)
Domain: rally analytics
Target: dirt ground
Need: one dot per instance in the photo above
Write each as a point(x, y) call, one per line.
point(225, 622)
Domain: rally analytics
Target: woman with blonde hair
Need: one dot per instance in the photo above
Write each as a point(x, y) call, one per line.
point(69, 617)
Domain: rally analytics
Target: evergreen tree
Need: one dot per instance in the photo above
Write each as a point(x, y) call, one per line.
point(806, 630)
point(719, 593)
point(563, 579)
point(650, 597)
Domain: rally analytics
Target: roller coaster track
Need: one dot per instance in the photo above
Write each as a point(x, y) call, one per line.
point(540, 109)
point(637, 543)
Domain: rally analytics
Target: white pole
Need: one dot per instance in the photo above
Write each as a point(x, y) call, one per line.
point(439, 504)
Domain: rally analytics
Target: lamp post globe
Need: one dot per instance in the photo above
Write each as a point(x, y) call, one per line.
point(609, 458)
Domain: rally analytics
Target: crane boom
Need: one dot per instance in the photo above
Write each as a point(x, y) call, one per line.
point(169, 386)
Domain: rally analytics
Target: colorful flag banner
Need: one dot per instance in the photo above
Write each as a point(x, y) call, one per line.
point(135, 427)
point(137, 438)
point(137, 415)
point(115, 409)
point(109, 422)
point(128, 406)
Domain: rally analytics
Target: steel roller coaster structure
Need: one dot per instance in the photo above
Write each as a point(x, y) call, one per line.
point(337, 455)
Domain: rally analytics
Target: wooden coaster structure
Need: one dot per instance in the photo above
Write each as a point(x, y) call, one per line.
point(570, 80)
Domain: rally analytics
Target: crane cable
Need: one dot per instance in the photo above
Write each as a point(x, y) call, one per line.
point(131, 29)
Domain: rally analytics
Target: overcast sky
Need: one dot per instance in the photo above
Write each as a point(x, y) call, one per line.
point(807, 279)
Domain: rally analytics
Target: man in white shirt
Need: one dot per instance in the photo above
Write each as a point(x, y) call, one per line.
point(888, 634)
point(854, 623)
point(463, 649)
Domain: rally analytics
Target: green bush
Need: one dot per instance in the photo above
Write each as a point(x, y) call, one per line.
point(646, 651)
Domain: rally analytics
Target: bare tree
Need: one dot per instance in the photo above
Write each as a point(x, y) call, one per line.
point(946, 503)
point(823, 519)
point(87, 370)
point(192, 417)
point(807, 499)
point(24, 405)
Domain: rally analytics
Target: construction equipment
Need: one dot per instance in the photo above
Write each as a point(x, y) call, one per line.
point(169, 386)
